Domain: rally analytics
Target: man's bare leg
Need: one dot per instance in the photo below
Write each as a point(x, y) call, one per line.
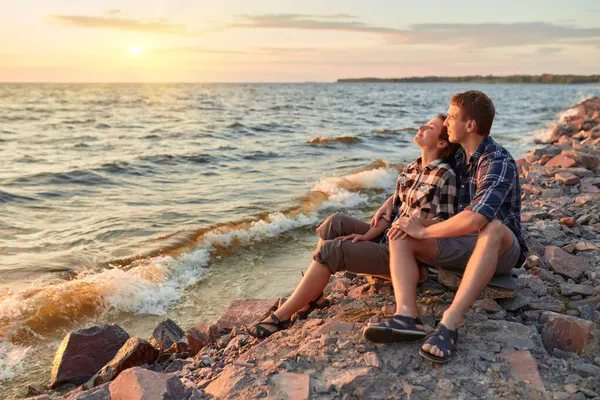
point(494, 240)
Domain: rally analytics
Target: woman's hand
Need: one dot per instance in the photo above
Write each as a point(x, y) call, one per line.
point(355, 237)
point(384, 211)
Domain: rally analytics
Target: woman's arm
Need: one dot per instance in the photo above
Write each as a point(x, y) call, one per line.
point(384, 212)
point(371, 233)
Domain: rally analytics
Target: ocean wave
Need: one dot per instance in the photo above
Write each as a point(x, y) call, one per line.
point(260, 156)
point(337, 139)
point(6, 197)
point(78, 122)
point(391, 131)
point(11, 357)
point(145, 286)
point(168, 159)
point(75, 177)
point(346, 190)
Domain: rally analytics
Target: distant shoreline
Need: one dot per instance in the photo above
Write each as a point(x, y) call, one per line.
point(527, 79)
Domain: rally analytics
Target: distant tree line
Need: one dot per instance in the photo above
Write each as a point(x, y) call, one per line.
point(544, 78)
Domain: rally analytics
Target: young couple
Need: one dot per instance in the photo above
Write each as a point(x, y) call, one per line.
point(466, 219)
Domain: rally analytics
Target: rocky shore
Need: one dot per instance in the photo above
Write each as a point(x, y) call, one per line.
point(540, 340)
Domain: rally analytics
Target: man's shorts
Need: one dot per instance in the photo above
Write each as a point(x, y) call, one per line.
point(454, 253)
point(372, 257)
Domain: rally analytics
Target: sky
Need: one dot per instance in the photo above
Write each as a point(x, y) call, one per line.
point(293, 41)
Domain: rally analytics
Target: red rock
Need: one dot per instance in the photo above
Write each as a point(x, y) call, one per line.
point(561, 160)
point(201, 335)
point(524, 367)
point(488, 305)
point(357, 292)
point(564, 263)
point(531, 189)
point(340, 285)
point(229, 381)
point(101, 392)
point(568, 221)
point(580, 172)
point(544, 159)
point(135, 352)
point(524, 161)
point(567, 178)
point(334, 325)
point(292, 386)
point(569, 333)
point(83, 352)
point(244, 312)
point(372, 360)
point(166, 334)
point(138, 383)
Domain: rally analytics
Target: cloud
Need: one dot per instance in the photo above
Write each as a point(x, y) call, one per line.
point(334, 22)
point(496, 35)
point(483, 35)
point(548, 50)
point(113, 11)
point(117, 23)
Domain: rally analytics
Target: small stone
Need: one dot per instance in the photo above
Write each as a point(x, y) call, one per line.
point(488, 305)
point(568, 289)
point(561, 396)
point(570, 388)
point(567, 178)
point(445, 385)
point(565, 264)
point(388, 309)
point(372, 360)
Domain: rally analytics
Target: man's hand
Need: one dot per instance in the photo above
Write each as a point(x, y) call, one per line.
point(395, 233)
point(384, 211)
point(355, 237)
point(411, 226)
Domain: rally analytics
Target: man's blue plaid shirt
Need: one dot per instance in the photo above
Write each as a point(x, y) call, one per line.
point(489, 185)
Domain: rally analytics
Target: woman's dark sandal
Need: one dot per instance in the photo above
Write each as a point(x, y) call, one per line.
point(313, 305)
point(260, 330)
point(397, 328)
point(445, 340)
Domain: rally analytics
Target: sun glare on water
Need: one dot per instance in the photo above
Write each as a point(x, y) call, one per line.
point(135, 51)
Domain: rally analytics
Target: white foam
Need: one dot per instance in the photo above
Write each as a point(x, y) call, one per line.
point(543, 134)
point(569, 112)
point(338, 194)
point(11, 357)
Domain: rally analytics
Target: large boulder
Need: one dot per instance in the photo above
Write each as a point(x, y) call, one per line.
point(166, 334)
point(244, 312)
point(569, 333)
point(452, 281)
point(135, 352)
point(565, 264)
point(83, 352)
point(138, 383)
point(101, 392)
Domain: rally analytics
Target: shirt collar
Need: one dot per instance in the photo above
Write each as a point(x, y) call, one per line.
point(434, 164)
point(480, 149)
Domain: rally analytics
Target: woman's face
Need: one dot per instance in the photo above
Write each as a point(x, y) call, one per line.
point(428, 136)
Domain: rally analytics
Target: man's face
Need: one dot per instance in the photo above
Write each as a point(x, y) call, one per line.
point(457, 128)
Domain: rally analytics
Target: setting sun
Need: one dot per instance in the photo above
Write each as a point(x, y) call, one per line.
point(134, 51)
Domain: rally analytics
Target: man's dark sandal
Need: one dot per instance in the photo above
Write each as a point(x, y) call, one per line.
point(261, 332)
point(442, 338)
point(397, 328)
point(313, 305)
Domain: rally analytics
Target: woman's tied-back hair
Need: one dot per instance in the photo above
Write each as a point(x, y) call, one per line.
point(448, 152)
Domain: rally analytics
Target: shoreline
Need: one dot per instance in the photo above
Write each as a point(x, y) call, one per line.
point(527, 345)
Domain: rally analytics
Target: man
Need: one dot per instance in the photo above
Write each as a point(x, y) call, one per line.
point(484, 239)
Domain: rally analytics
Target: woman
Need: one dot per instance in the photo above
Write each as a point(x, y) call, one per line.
point(425, 189)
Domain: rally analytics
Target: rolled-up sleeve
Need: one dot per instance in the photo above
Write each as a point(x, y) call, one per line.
point(495, 178)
